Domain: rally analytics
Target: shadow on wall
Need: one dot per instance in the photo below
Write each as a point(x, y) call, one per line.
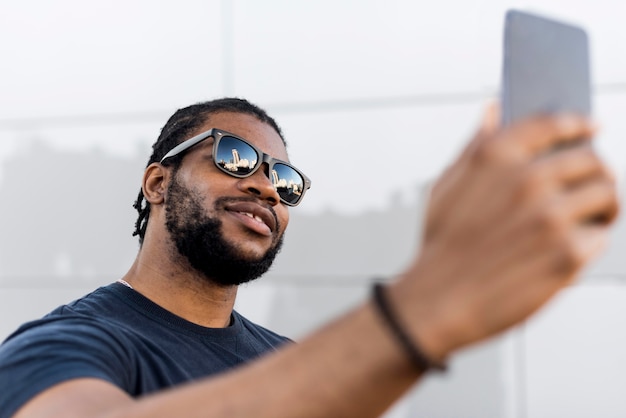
point(66, 215)
point(368, 245)
point(69, 215)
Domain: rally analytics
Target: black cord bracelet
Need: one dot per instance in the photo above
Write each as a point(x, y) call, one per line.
point(419, 359)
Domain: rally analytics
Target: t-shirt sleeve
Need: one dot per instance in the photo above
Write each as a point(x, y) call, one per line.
point(47, 352)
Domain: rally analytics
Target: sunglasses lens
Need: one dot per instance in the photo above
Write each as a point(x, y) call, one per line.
point(288, 183)
point(235, 156)
point(239, 159)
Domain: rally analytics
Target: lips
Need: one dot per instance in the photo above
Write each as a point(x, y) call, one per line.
point(257, 214)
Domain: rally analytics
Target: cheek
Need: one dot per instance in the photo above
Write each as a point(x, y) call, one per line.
point(208, 187)
point(283, 217)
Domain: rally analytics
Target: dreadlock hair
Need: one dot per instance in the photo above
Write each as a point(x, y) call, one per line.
point(182, 125)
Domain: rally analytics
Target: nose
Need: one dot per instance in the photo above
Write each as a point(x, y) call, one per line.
point(260, 185)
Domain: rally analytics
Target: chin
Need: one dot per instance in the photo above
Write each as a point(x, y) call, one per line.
point(253, 254)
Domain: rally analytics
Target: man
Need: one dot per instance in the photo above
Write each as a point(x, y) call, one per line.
point(508, 225)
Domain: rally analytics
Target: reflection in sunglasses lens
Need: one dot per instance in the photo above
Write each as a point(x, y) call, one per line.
point(236, 156)
point(288, 183)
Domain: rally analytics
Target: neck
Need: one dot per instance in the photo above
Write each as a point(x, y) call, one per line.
point(182, 291)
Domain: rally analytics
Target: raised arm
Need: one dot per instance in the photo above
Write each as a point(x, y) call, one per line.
point(509, 224)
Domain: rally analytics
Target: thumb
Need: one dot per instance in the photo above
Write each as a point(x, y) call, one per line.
point(490, 122)
point(489, 125)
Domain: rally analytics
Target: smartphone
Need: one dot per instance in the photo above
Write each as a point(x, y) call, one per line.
point(546, 67)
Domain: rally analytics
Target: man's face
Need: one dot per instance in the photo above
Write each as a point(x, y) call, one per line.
point(227, 228)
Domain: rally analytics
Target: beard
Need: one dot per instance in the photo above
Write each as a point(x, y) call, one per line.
point(198, 239)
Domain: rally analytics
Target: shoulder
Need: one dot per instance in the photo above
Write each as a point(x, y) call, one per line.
point(64, 345)
point(84, 317)
point(71, 337)
point(69, 329)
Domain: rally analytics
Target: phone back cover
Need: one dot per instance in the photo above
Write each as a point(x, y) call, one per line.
point(546, 67)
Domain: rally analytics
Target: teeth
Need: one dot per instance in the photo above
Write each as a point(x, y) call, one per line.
point(255, 217)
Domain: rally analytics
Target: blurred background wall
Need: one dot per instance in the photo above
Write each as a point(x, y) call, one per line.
point(375, 98)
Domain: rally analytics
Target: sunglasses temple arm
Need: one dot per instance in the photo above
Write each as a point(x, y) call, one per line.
point(187, 144)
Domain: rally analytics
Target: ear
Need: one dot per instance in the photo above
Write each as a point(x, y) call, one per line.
point(154, 183)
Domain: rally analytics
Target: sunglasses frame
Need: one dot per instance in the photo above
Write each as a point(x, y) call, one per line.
point(217, 135)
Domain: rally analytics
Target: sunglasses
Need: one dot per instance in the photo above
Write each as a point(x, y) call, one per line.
point(237, 157)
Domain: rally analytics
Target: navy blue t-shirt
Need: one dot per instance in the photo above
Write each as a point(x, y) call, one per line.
point(120, 336)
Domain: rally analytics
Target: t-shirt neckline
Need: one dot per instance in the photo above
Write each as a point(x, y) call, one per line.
point(144, 305)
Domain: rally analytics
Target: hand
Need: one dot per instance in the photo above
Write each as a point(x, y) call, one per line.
point(507, 227)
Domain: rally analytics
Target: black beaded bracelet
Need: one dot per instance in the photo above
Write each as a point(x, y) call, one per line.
point(419, 359)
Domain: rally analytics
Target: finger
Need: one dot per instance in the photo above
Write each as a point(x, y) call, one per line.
point(537, 135)
point(450, 176)
point(487, 128)
point(491, 118)
point(572, 166)
point(594, 200)
point(590, 240)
